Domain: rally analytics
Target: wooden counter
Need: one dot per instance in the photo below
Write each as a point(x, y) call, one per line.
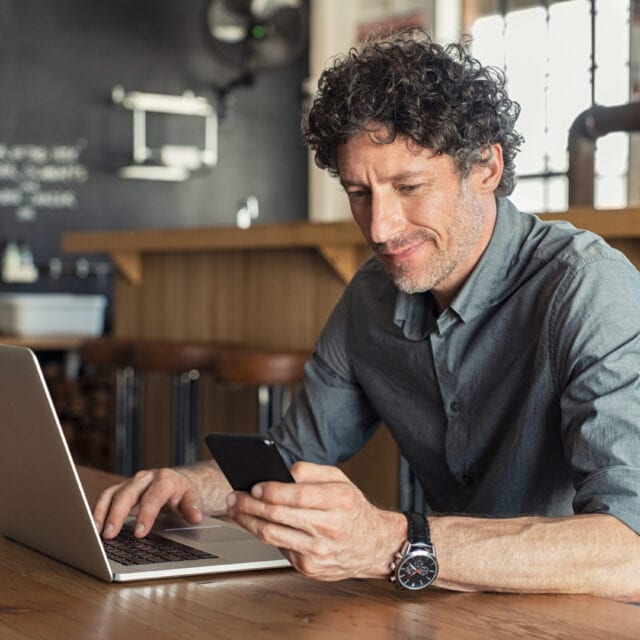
point(340, 243)
point(269, 284)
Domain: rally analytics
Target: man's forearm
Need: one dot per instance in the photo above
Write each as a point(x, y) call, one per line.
point(591, 554)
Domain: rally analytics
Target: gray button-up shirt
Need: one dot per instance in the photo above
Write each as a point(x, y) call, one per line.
point(523, 397)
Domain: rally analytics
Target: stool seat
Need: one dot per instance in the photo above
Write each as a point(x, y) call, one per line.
point(107, 351)
point(174, 356)
point(246, 365)
point(273, 371)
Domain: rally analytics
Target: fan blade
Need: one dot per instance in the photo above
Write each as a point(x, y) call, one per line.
point(265, 9)
point(229, 20)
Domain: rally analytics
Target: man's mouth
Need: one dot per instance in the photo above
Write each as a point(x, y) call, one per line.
point(400, 252)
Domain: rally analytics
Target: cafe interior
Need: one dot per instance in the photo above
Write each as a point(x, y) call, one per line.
point(170, 251)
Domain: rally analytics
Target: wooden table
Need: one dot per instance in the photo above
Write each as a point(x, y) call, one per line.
point(41, 598)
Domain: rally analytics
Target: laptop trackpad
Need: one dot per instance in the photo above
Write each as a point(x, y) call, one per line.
point(210, 533)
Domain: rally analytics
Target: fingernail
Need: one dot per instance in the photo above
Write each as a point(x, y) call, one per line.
point(231, 500)
point(196, 507)
point(139, 529)
point(257, 491)
point(108, 530)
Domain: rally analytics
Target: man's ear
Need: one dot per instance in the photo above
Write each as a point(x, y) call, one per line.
point(487, 175)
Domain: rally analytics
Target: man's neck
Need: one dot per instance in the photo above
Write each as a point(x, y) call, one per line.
point(444, 292)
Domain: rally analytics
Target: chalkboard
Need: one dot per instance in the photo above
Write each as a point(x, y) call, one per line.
point(62, 138)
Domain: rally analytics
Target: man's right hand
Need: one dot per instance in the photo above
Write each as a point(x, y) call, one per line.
point(147, 493)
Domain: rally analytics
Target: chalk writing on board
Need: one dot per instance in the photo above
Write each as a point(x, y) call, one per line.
point(35, 177)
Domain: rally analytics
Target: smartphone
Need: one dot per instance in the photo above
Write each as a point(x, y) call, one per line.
point(246, 460)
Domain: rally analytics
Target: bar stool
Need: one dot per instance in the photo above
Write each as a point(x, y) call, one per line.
point(184, 361)
point(116, 353)
point(273, 371)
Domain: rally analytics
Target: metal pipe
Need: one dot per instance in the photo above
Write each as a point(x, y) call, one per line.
point(583, 134)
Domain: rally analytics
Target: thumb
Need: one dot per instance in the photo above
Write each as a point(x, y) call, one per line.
point(190, 507)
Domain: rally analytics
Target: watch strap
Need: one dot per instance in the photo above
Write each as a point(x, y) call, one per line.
point(418, 528)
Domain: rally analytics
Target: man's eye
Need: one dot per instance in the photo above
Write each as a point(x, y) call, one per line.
point(408, 188)
point(357, 194)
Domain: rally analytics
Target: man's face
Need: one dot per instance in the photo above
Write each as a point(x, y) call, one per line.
point(426, 224)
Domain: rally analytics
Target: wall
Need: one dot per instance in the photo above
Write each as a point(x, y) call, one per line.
point(62, 138)
point(337, 26)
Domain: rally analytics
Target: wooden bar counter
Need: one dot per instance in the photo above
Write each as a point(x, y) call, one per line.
point(273, 285)
point(41, 599)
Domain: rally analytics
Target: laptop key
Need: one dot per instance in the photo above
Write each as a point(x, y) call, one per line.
point(129, 550)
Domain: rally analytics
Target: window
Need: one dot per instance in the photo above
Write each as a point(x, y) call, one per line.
point(560, 58)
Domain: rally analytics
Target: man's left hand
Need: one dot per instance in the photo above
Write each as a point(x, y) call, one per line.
point(322, 523)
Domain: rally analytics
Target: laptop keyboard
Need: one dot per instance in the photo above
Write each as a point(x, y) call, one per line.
point(129, 550)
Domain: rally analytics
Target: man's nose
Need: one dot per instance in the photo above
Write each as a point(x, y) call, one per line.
point(386, 218)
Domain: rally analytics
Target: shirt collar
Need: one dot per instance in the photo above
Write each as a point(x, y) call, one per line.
point(486, 285)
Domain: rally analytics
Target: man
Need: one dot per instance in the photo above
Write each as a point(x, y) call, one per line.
point(503, 354)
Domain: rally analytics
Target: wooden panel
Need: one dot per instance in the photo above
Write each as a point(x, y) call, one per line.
point(279, 298)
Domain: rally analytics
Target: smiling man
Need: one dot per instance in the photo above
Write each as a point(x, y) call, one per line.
point(502, 353)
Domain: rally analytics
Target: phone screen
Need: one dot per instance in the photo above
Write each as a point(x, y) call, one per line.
point(246, 460)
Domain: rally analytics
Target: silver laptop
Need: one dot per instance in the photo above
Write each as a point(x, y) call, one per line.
point(43, 505)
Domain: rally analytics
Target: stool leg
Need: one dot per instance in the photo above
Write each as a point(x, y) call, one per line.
point(185, 417)
point(127, 436)
point(272, 403)
point(418, 495)
point(411, 492)
point(264, 408)
point(406, 487)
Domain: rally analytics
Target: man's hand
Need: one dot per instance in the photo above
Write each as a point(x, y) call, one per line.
point(323, 524)
point(148, 492)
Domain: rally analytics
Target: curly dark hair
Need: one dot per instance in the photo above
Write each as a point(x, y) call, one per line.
point(406, 84)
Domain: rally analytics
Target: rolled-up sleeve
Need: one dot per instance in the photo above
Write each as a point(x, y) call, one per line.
point(595, 356)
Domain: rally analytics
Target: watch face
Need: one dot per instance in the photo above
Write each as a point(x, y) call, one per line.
point(417, 570)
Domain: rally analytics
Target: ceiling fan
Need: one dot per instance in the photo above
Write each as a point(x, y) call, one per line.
point(253, 36)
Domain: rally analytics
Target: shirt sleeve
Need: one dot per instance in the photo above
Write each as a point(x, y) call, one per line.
point(330, 419)
point(595, 359)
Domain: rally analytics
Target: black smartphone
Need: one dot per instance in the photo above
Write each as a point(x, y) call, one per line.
point(247, 459)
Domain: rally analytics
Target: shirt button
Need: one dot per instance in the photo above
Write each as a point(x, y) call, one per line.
point(455, 406)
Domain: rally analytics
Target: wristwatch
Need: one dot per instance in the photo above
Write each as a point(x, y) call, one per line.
point(415, 566)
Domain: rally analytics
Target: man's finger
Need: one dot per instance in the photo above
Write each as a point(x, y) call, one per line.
point(103, 505)
point(275, 533)
point(311, 472)
point(116, 503)
point(165, 488)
